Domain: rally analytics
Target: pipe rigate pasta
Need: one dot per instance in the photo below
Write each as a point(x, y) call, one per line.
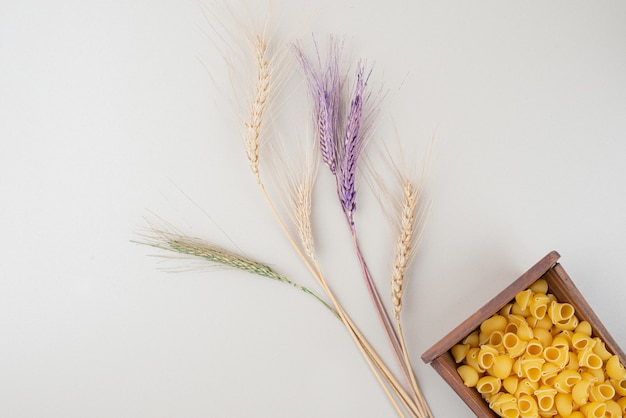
point(536, 358)
point(614, 369)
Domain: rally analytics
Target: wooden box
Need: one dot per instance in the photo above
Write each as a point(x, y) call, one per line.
point(559, 284)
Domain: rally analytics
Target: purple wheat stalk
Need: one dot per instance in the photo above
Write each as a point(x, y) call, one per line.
point(325, 89)
point(353, 143)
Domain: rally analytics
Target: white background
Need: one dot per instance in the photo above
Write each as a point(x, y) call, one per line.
point(111, 110)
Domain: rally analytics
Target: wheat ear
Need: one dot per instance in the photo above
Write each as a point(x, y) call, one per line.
point(196, 247)
point(257, 109)
point(404, 246)
point(404, 253)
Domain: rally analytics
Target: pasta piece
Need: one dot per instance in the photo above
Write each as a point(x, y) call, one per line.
point(565, 381)
point(495, 340)
point(524, 331)
point(510, 384)
point(531, 367)
point(469, 375)
point(620, 386)
point(488, 385)
point(580, 392)
point(545, 398)
point(516, 309)
point(471, 359)
point(600, 350)
point(502, 366)
point(614, 368)
point(459, 352)
point(594, 409)
point(567, 324)
point(584, 327)
point(587, 358)
point(495, 323)
point(486, 355)
point(513, 345)
point(582, 341)
point(527, 406)
point(539, 306)
point(543, 335)
point(564, 404)
point(471, 339)
point(539, 286)
point(524, 298)
point(534, 347)
point(613, 410)
point(557, 355)
point(601, 393)
point(526, 387)
point(560, 312)
point(622, 404)
point(593, 375)
point(549, 371)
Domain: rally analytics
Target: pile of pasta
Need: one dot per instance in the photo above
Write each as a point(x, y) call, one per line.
point(536, 359)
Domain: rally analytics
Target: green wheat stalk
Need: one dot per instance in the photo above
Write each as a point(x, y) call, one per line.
point(196, 247)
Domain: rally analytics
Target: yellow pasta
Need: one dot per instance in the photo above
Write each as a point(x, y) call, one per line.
point(502, 366)
point(564, 404)
point(531, 367)
point(584, 327)
point(557, 355)
point(594, 409)
point(510, 383)
point(543, 335)
point(495, 323)
point(582, 341)
point(513, 345)
point(524, 331)
point(471, 339)
point(535, 358)
point(567, 324)
point(601, 393)
point(622, 404)
point(549, 371)
point(527, 406)
point(459, 352)
point(524, 298)
point(526, 387)
point(545, 398)
point(534, 347)
point(495, 340)
point(620, 386)
point(488, 385)
point(593, 375)
point(614, 368)
point(539, 286)
point(559, 312)
point(613, 410)
point(486, 355)
point(565, 381)
point(580, 392)
point(468, 374)
point(587, 358)
point(599, 348)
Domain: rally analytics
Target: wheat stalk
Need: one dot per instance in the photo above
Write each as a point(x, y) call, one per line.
point(404, 247)
point(257, 109)
point(182, 244)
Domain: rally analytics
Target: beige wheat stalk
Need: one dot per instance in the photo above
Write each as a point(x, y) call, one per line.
point(404, 252)
point(257, 109)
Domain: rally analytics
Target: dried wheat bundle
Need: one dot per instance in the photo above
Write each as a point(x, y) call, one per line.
point(344, 108)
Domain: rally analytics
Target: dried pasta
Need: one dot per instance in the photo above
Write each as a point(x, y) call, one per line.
point(535, 358)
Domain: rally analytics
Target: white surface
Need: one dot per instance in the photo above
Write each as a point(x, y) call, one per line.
point(105, 105)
